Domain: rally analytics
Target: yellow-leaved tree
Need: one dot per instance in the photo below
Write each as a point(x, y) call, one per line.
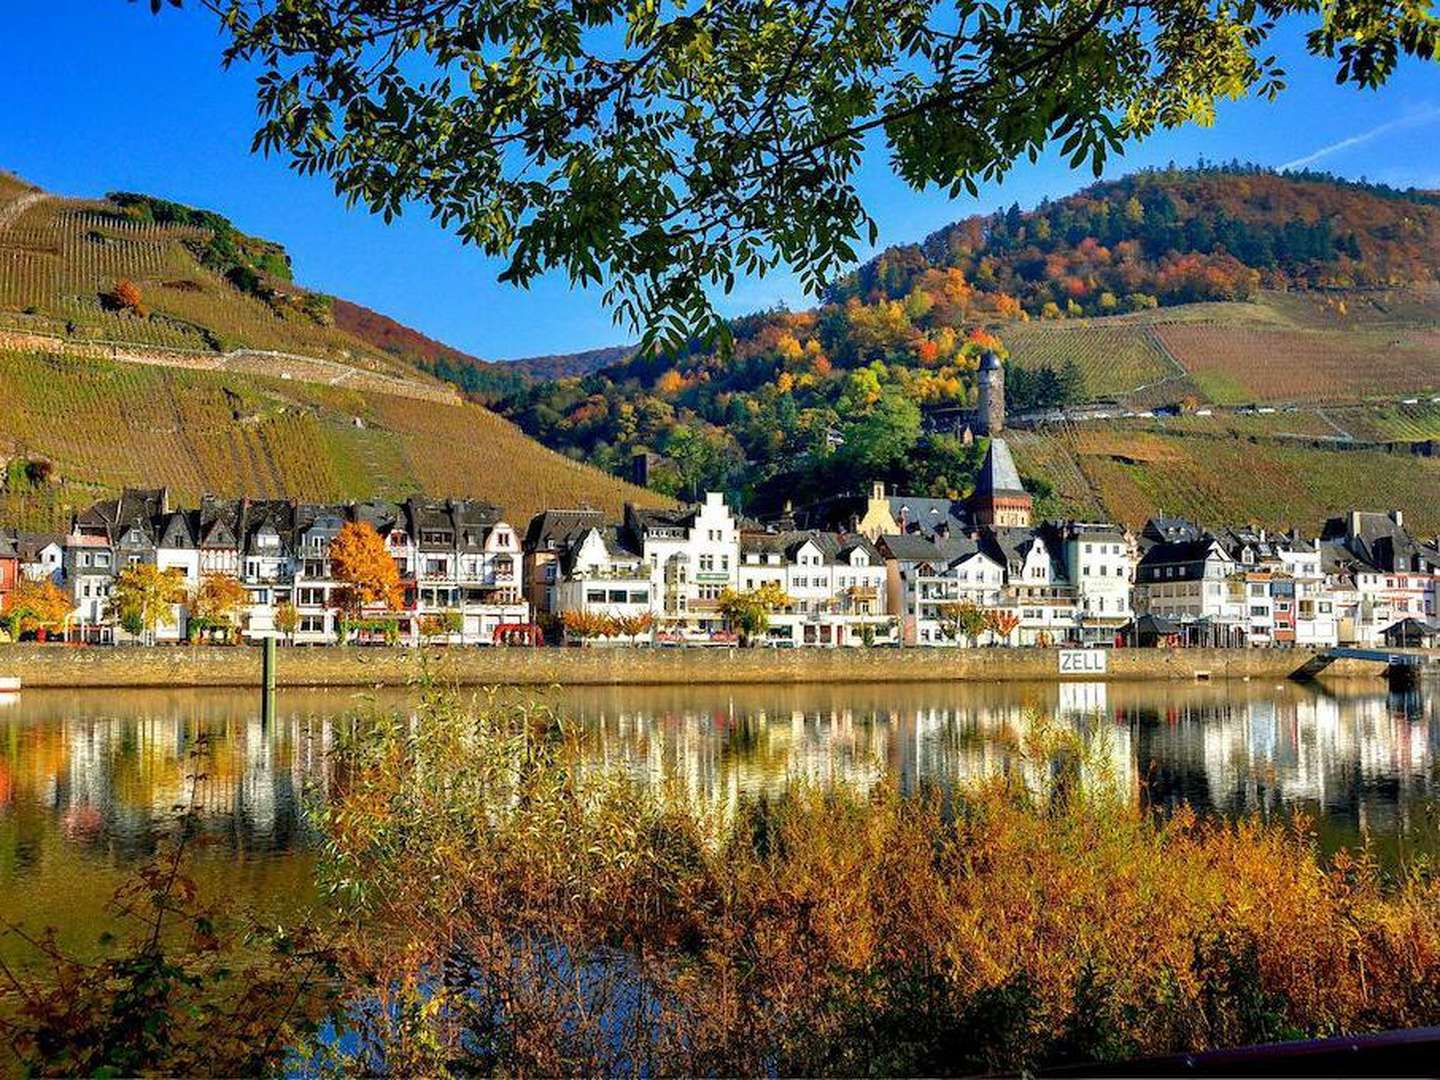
point(144, 598)
point(362, 563)
point(40, 606)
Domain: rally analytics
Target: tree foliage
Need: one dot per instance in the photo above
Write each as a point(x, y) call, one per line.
point(34, 605)
point(659, 151)
point(749, 611)
point(218, 601)
point(360, 560)
point(144, 596)
point(963, 618)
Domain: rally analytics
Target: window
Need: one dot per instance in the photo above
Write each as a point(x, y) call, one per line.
point(639, 596)
point(312, 624)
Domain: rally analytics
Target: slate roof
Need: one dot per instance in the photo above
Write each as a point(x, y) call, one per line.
point(29, 545)
point(788, 543)
point(551, 529)
point(1187, 555)
point(1168, 529)
point(180, 530)
point(998, 475)
point(1377, 540)
point(923, 514)
point(911, 547)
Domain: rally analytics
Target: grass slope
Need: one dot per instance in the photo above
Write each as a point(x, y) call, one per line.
point(104, 425)
point(1315, 348)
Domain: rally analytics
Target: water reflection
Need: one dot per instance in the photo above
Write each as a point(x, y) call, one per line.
point(95, 775)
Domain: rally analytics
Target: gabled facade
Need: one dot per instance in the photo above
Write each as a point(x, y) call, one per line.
point(548, 536)
point(42, 556)
point(693, 557)
point(1194, 584)
point(836, 586)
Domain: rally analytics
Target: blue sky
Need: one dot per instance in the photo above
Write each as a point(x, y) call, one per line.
point(100, 95)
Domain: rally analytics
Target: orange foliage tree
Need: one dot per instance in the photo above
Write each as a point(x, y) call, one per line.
point(360, 560)
point(217, 603)
point(1002, 623)
point(126, 296)
point(34, 605)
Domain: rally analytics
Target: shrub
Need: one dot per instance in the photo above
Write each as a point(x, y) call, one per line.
point(520, 912)
point(126, 297)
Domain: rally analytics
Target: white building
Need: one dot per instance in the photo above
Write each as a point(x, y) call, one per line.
point(693, 555)
point(836, 585)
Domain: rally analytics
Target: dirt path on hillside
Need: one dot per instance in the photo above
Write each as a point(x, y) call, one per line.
point(274, 365)
point(12, 211)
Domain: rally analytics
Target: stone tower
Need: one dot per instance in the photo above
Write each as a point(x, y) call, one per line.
point(990, 399)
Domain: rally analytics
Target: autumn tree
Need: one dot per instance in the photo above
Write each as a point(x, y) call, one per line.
point(217, 604)
point(1001, 622)
point(749, 612)
point(34, 605)
point(360, 560)
point(144, 598)
point(962, 618)
point(126, 296)
point(667, 150)
point(287, 619)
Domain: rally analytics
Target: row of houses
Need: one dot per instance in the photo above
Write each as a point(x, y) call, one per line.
point(873, 569)
point(455, 558)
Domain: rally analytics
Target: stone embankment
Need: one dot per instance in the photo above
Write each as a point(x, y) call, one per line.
point(186, 666)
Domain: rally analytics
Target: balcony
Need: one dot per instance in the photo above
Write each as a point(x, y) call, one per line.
point(703, 607)
point(862, 592)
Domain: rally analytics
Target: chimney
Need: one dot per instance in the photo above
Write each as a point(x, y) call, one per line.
point(1354, 523)
point(1398, 517)
point(877, 489)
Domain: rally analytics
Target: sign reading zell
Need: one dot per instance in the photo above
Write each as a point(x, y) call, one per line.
point(1083, 661)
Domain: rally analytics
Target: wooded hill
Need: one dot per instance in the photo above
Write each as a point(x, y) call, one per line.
point(144, 343)
point(1184, 290)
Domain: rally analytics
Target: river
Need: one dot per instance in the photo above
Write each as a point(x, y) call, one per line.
point(89, 780)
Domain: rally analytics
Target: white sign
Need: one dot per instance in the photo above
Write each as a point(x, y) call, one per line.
point(1083, 661)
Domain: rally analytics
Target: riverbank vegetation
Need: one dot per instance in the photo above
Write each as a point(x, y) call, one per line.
point(499, 904)
point(524, 913)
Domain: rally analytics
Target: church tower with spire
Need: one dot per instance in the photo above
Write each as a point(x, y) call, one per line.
point(990, 395)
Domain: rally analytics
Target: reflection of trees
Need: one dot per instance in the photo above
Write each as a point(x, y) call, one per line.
point(113, 778)
point(105, 770)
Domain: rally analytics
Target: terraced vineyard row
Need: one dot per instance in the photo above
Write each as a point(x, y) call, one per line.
point(61, 260)
point(1135, 474)
point(105, 425)
point(1115, 358)
point(1398, 422)
point(1235, 365)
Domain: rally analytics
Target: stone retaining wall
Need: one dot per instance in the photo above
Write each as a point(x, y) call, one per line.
point(186, 666)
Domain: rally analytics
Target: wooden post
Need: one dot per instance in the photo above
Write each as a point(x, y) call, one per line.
point(267, 681)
